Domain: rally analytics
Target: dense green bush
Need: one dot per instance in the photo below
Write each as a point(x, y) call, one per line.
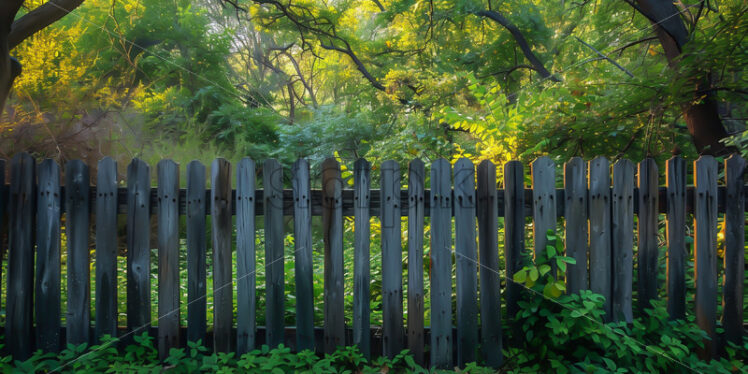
point(143, 357)
point(566, 333)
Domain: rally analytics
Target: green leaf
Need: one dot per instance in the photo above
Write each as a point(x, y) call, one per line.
point(533, 274)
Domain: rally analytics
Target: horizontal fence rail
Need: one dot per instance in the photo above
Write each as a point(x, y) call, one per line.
point(599, 202)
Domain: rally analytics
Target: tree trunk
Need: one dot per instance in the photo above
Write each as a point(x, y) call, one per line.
point(701, 113)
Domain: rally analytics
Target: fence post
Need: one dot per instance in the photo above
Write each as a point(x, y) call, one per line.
point(332, 225)
point(544, 203)
point(18, 337)
point(467, 262)
point(648, 251)
point(575, 217)
point(732, 303)
point(490, 281)
point(196, 252)
point(106, 249)
point(441, 265)
point(222, 282)
point(361, 267)
point(245, 256)
point(416, 174)
point(302, 219)
point(677, 252)
point(168, 256)
point(623, 240)
point(392, 260)
point(705, 249)
point(48, 258)
point(138, 247)
point(77, 230)
point(600, 231)
point(514, 231)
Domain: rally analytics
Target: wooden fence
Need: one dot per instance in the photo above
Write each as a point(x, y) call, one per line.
point(598, 215)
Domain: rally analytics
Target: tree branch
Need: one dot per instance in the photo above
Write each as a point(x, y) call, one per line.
point(359, 65)
point(606, 58)
point(521, 41)
point(39, 18)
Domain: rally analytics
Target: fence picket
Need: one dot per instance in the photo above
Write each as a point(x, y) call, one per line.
point(466, 259)
point(196, 252)
point(732, 302)
point(543, 202)
point(441, 265)
point(623, 240)
point(48, 257)
point(705, 249)
point(168, 256)
point(106, 249)
point(245, 257)
point(138, 247)
point(575, 217)
point(490, 281)
point(272, 180)
point(302, 219)
point(392, 260)
point(77, 229)
point(514, 231)
point(19, 313)
point(4, 189)
point(332, 225)
point(677, 253)
point(222, 277)
point(416, 174)
point(361, 266)
point(600, 231)
point(648, 251)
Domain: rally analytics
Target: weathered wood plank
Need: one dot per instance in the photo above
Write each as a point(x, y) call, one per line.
point(705, 250)
point(168, 256)
point(416, 182)
point(361, 267)
point(623, 240)
point(490, 281)
point(19, 314)
point(48, 257)
point(106, 249)
point(648, 251)
point(138, 247)
point(272, 179)
point(677, 253)
point(392, 260)
point(600, 231)
point(222, 278)
point(514, 231)
point(544, 203)
point(575, 214)
point(332, 226)
point(245, 257)
point(196, 252)
point(78, 315)
point(732, 302)
point(4, 189)
point(441, 265)
point(467, 261)
point(303, 254)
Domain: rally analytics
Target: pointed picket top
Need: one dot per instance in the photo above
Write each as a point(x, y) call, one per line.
point(167, 165)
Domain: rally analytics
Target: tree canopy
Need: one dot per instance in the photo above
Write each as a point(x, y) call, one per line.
point(377, 78)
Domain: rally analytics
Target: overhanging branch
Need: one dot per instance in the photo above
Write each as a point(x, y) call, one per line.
point(521, 41)
point(39, 18)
